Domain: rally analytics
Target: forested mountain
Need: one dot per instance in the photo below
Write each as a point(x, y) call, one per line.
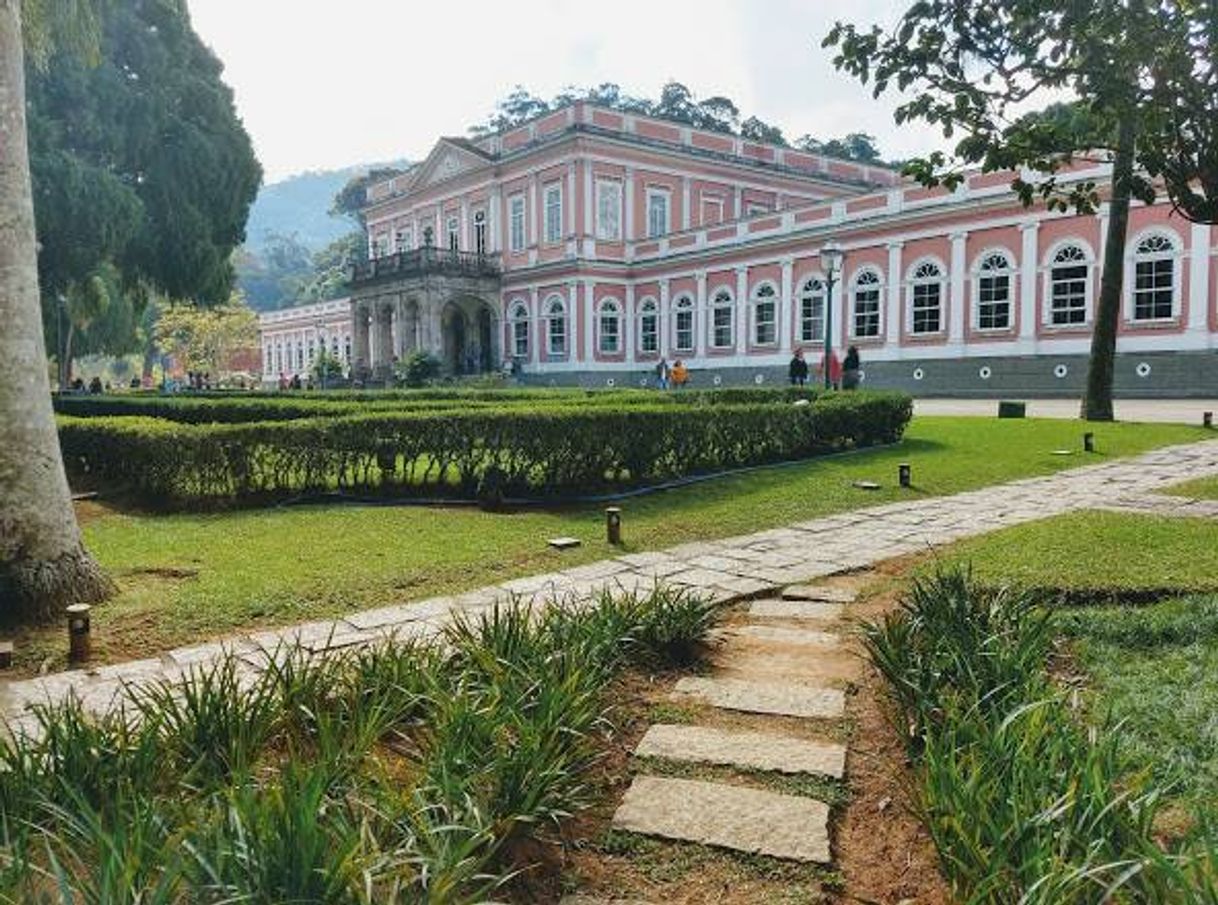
point(300, 206)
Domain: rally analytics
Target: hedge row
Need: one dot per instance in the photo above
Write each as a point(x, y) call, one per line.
point(516, 452)
point(245, 408)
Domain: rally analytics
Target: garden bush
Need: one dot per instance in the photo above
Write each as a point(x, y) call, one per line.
point(532, 451)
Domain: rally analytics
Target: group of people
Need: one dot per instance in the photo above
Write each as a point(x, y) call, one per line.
point(675, 376)
point(843, 374)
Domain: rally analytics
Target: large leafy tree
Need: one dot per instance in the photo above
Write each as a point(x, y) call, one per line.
point(971, 69)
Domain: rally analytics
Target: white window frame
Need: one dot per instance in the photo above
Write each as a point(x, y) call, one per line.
point(552, 206)
point(482, 232)
point(609, 315)
point(608, 210)
point(919, 281)
point(665, 195)
point(714, 201)
point(878, 288)
point(518, 317)
point(756, 209)
point(722, 300)
point(811, 326)
point(452, 229)
point(764, 293)
point(981, 272)
point(1136, 257)
point(517, 224)
point(556, 314)
point(1087, 262)
point(682, 309)
point(649, 310)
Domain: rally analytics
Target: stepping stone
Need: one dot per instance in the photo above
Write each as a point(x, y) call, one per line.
point(777, 698)
point(598, 900)
point(866, 485)
point(819, 592)
point(750, 750)
point(796, 609)
point(747, 820)
point(797, 636)
point(564, 543)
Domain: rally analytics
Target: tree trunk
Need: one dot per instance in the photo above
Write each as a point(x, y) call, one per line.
point(43, 564)
point(1097, 403)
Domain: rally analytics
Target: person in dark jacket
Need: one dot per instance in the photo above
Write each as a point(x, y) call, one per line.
point(850, 369)
point(798, 369)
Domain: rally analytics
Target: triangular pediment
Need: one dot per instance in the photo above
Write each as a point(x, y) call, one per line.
point(446, 160)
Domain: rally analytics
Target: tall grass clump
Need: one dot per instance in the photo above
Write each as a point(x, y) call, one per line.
point(1024, 804)
point(397, 772)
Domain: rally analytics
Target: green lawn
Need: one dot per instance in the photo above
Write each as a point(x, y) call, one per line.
point(188, 577)
point(1098, 552)
point(1202, 488)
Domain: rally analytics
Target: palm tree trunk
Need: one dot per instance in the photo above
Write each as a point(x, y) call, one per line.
point(43, 563)
point(1097, 403)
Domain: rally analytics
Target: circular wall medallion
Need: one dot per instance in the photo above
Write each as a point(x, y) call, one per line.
point(758, 379)
point(610, 382)
point(1143, 369)
point(643, 382)
point(985, 373)
point(718, 380)
point(918, 374)
point(862, 376)
point(1060, 371)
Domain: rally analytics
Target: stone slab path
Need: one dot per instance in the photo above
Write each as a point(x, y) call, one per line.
point(727, 569)
point(751, 750)
point(773, 698)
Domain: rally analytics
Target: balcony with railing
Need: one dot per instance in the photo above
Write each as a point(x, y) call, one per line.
point(426, 261)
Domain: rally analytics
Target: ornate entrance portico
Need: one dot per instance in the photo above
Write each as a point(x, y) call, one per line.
point(439, 301)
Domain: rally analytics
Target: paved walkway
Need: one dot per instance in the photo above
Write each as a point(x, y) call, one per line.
point(1178, 411)
point(750, 565)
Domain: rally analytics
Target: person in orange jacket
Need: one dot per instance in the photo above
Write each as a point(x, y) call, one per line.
point(680, 374)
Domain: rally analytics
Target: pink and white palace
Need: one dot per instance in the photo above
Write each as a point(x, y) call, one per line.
point(590, 243)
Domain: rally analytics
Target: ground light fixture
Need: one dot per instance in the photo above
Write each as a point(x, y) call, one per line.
point(831, 258)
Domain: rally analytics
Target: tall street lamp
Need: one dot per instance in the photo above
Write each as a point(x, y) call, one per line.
point(831, 257)
point(321, 358)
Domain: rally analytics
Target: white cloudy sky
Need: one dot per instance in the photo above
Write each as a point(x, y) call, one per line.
point(324, 84)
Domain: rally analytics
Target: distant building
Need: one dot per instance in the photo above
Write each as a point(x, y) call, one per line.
point(589, 243)
point(292, 338)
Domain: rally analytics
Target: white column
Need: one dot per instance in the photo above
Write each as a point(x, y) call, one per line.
point(1199, 279)
point(492, 219)
point(665, 317)
point(536, 327)
point(465, 244)
point(1029, 279)
point(895, 318)
point(589, 212)
point(629, 189)
point(569, 227)
point(742, 309)
point(739, 204)
point(685, 202)
point(585, 319)
point(629, 321)
point(700, 314)
point(955, 309)
point(532, 216)
point(786, 313)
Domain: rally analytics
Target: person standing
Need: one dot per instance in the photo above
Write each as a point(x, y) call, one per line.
point(680, 374)
point(835, 370)
point(662, 374)
point(798, 370)
point(851, 369)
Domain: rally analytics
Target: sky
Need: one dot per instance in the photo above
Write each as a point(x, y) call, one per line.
point(323, 84)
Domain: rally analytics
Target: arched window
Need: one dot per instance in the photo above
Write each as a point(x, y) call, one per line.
point(556, 327)
point(519, 319)
point(1069, 286)
point(649, 326)
point(865, 298)
point(765, 315)
point(1154, 278)
point(723, 315)
point(683, 324)
point(610, 322)
point(926, 297)
point(812, 311)
point(992, 295)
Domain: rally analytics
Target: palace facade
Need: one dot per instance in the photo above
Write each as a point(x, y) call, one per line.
point(590, 243)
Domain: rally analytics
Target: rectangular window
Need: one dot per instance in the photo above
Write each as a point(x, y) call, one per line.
point(516, 222)
point(557, 333)
point(608, 211)
point(1153, 289)
point(721, 335)
point(1068, 295)
point(994, 302)
point(712, 211)
point(755, 209)
point(657, 213)
point(553, 202)
point(649, 333)
point(766, 331)
point(812, 318)
point(610, 338)
point(685, 330)
point(866, 313)
point(926, 308)
point(404, 239)
point(454, 234)
point(520, 338)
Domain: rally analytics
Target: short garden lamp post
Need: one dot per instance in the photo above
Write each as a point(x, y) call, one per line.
point(78, 632)
point(831, 256)
point(319, 326)
point(613, 525)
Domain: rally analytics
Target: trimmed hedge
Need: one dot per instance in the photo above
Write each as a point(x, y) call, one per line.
point(231, 408)
point(515, 451)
